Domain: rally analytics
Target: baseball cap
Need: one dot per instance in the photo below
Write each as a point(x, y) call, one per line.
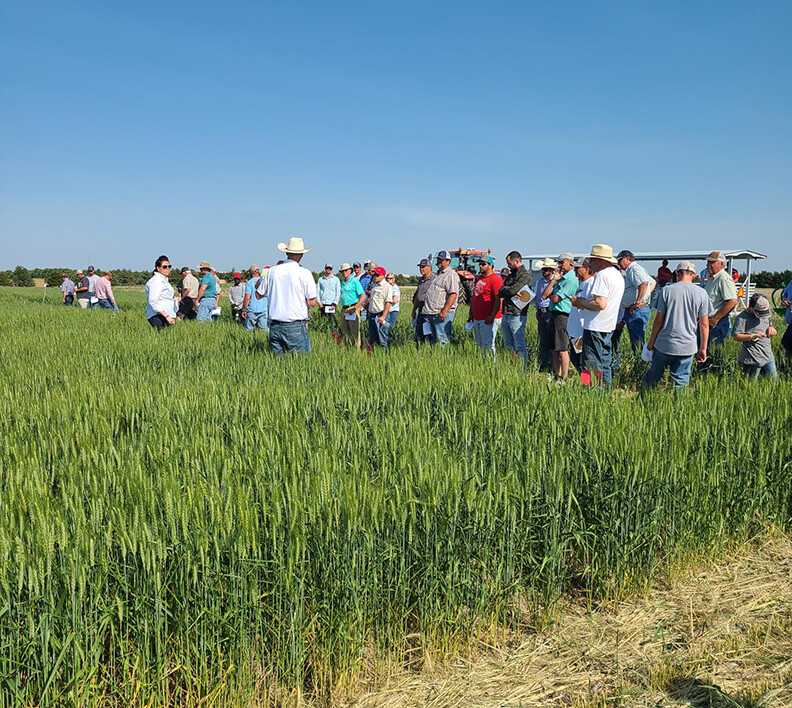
point(580, 263)
point(91, 269)
point(625, 254)
point(486, 259)
point(367, 261)
point(356, 264)
point(254, 268)
point(79, 271)
point(565, 256)
point(379, 270)
point(425, 262)
point(372, 264)
point(238, 275)
point(685, 265)
point(716, 257)
point(185, 269)
point(760, 304)
point(443, 256)
point(328, 265)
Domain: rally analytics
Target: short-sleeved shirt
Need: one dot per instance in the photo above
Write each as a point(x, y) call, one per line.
point(566, 287)
point(92, 280)
point(576, 316)
point(67, 286)
point(395, 298)
point(381, 293)
point(682, 305)
point(608, 283)
point(444, 284)
point(189, 286)
point(485, 292)
point(720, 288)
point(756, 353)
point(84, 283)
point(288, 288)
point(211, 285)
point(419, 296)
point(256, 305)
point(634, 275)
point(351, 290)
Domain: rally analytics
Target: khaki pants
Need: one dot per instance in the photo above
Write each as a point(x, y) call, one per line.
point(350, 329)
point(85, 303)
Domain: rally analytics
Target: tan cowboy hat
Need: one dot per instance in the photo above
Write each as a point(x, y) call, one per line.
point(205, 264)
point(344, 266)
point(295, 245)
point(603, 252)
point(547, 263)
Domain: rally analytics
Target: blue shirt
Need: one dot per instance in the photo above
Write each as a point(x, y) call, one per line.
point(364, 279)
point(787, 295)
point(255, 305)
point(211, 285)
point(329, 290)
point(540, 288)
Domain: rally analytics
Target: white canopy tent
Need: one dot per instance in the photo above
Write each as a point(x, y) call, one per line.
point(745, 285)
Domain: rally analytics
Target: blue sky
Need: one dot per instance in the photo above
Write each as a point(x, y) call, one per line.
point(391, 129)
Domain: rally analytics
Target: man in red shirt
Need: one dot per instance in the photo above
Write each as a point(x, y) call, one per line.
point(485, 308)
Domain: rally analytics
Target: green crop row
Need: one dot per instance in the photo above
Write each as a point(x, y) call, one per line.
point(187, 518)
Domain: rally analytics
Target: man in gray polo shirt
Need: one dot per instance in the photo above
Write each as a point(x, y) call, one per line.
point(683, 311)
point(441, 300)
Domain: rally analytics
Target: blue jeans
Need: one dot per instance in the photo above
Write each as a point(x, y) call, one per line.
point(420, 337)
point(635, 323)
point(289, 337)
point(678, 368)
point(597, 354)
point(720, 332)
point(543, 328)
point(485, 336)
point(513, 328)
point(205, 307)
point(107, 304)
point(442, 330)
point(391, 318)
point(256, 319)
point(378, 333)
point(754, 372)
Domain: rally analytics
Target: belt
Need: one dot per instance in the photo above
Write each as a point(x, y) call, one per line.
point(542, 309)
point(287, 322)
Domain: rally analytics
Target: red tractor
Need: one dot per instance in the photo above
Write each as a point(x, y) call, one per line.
point(465, 262)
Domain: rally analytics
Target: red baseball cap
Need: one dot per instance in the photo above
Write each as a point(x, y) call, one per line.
point(380, 271)
point(238, 275)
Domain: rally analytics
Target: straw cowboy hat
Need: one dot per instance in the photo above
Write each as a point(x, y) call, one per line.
point(295, 245)
point(205, 264)
point(547, 263)
point(603, 252)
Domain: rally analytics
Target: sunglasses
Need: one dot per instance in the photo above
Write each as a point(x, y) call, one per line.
point(166, 265)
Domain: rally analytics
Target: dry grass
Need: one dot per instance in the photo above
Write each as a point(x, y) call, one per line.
point(720, 638)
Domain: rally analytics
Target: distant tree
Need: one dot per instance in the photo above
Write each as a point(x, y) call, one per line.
point(5, 278)
point(21, 277)
point(771, 279)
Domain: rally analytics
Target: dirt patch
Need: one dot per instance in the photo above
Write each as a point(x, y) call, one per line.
point(720, 638)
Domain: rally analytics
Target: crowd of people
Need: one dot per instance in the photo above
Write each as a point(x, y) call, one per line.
point(582, 308)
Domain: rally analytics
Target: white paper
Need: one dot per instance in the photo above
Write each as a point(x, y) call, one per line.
point(329, 309)
point(469, 326)
point(94, 299)
point(519, 302)
point(646, 354)
point(216, 312)
point(350, 316)
point(427, 328)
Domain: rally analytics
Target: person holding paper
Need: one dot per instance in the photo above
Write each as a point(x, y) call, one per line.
point(421, 323)
point(485, 308)
point(255, 311)
point(680, 330)
point(515, 311)
point(560, 291)
point(352, 297)
point(329, 287)
point(379, 304)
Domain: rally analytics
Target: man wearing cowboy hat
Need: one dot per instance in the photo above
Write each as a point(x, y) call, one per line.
point(208, 290)
point(351, 298)
point(291, 290)
point(601, 311)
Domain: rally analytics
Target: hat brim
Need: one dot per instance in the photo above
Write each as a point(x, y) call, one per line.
point(604, 258)
point(285, 248)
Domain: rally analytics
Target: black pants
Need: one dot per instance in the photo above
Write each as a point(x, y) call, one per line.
point(786, 340)
point(158, 321)
point(187, 309)
point(68, 300)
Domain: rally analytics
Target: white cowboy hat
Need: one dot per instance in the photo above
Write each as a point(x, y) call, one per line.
point(295, 245)
point(603, 252)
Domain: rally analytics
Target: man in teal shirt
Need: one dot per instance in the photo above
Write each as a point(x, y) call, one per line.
point(207, 292)
point(352, 297)
point(560, 291)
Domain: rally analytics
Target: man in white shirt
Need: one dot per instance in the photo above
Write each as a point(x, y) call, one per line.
point(601, 311)
point(290, 290)
point(93, 301)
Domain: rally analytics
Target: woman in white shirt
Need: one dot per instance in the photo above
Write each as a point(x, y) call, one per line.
point(393, 313)
point(160, 306)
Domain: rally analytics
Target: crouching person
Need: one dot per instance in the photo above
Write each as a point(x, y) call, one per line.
point(753, 330)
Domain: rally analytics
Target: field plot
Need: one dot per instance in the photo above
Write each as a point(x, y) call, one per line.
point(188, 520)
